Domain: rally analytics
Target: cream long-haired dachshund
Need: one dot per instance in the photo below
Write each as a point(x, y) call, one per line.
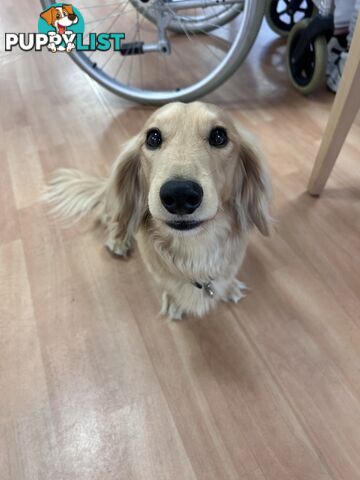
point(188, 187)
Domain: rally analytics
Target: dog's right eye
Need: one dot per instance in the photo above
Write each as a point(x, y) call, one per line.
point(218, 137)
point(153, 139)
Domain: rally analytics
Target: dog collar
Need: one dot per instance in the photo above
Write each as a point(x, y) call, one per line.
point(207, 286)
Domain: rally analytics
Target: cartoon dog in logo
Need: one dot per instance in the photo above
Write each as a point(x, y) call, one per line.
point(61, 18)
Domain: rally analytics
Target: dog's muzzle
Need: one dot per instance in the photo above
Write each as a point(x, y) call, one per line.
point(181, 197)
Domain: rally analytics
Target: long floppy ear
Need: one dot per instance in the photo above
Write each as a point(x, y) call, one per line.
point(126, 195)
point(69, 9)
point(252, 187)
point(48, 15)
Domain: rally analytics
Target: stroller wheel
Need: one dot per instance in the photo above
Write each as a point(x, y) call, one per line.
point(308, 72)
point(282, 15)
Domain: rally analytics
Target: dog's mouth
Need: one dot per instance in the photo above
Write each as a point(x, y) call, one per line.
point(62, 29)
point(184, 224)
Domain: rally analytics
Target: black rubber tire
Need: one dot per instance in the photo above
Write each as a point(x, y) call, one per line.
point(277, 25)
point(311, 73)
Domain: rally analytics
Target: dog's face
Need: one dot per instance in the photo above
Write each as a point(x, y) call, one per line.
point(188, 158)
point(188, 166)
point(60, 17)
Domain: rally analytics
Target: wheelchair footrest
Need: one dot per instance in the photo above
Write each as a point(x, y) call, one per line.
point(132, 48)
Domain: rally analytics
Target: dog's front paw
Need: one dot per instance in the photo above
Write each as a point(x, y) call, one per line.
point(70, 47)
point(235, 291)
point(52, 47)
point(170, 309)
point(120, 249)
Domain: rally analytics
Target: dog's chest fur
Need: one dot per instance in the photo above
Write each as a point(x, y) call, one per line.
point(213, 256)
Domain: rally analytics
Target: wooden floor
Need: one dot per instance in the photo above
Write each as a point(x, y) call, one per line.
point(94, 384)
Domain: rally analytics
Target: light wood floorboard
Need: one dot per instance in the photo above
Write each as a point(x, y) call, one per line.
point(94, 384)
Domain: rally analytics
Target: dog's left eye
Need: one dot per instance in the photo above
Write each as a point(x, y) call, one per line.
point(218, 137)
point(153, 139)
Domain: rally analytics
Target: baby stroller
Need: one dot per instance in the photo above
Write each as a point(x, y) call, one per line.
point(184, 49)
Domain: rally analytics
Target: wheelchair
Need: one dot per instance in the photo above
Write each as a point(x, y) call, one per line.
point(308, 27)
point(174, 49)
point(180, 50)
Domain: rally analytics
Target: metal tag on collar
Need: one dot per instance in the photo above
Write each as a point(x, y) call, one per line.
point(209, 289)
point(206, 286)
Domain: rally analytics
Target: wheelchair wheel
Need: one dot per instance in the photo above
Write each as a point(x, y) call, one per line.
point(159, 65)
point(308, 73)
point(201, 20)
point(282, 15)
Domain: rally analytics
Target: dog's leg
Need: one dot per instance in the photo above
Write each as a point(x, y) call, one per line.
point(170, 309)
point(117, 246)
point(235, 291)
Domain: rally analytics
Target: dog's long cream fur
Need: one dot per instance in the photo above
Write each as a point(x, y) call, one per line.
point(236, 196)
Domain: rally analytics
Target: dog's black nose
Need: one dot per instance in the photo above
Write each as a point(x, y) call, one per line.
point(181, 197)
point(72, 17)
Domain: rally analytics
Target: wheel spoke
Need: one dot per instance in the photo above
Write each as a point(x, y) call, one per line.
point(107, 31)
point(103, 19)
point(99, 5)
point(125, 56)
point(200, 36)
point(91, 22)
